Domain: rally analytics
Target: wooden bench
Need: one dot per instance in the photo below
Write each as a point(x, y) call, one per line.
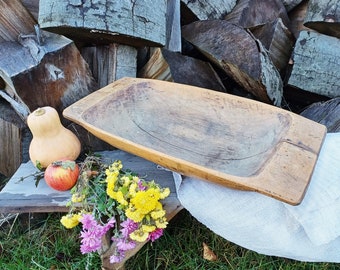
point(23, 196)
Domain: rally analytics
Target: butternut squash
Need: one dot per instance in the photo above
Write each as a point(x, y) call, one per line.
point(51, 140)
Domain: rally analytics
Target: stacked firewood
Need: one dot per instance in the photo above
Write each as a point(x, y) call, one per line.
point(281, 52)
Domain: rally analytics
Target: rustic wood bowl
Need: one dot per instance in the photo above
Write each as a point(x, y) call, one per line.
point(225, 139)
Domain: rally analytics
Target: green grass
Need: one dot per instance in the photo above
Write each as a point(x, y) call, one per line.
point(42, 243)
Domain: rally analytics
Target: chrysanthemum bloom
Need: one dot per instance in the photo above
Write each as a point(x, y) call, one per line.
point(148, 228)
point(117, 257)
point(139, 235)
point(76, 197)
point(146, 201)
point(128, 226)
point(161, 223)
point(70, 221)
point(153, 236)
point(134, 214)
point(124, 244)
point(165, 192)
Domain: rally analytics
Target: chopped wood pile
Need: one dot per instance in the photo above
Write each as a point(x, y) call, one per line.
point(281, 52)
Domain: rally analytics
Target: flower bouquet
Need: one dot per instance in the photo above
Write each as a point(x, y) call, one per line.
point(110, 201)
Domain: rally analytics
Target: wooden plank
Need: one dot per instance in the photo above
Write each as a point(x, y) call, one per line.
point(245, 59)
point(173, 26)
point(324, 17)
point(316, 64)
point(232, 141)
point(23, 196)
point(134, 23)
point(32, 6)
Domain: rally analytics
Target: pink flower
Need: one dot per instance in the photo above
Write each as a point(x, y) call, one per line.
point(125, 244)
point(92, 233)
point(141, 186)
point(155, 234)
point(128, 226)
point(116, 258)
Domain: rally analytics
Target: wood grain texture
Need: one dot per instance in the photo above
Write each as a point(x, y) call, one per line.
point(209, 10)
point(210, 135)
point(251, 13)
point(291, 4)
point(15, 20)
point(316, 64)
point(175, 67)
point(50, 73)
point(134, 23)
point(279, 42)
point(326, 113)
point(110, 62)
point(324, 17)
point(239, 54)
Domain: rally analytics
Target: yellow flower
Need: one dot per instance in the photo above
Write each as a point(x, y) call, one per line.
point(117, 165)
point(139, 235)
point(146, 201)
point(156, 214)
point(70, 221)
point(76, 198)
point(110, 190)
point(148, 228)
point(119, 196)
point(134, 214)
point(165, 192)
point(132, 189)
point(161, 223)
point(111, 176)
point(126, 181)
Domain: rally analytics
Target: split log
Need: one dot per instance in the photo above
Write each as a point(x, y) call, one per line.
point(109, 63)
point(14, 140)
point(297, 17)
point(51, 73)
point(251, 13)
point(239, 54)
point(134, 23)
point(173, 26)
point(326, 113)
point(32, 6)
point(291, 4)
point(279, 42)
point(209, 10)
point(175, 67)
point(316, 60)
point(324, 17)
point(15, 20)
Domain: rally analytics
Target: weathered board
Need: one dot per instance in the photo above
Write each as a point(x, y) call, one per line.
point(316, 64)
point(232, 141)
point(239, 54)
point(23, 196)
point(291, 4)
point(324, 17)
point(134, 23)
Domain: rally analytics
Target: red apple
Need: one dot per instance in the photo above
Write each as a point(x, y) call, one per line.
point(62, 175)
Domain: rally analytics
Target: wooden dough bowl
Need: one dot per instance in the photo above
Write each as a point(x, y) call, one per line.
point(229, 140)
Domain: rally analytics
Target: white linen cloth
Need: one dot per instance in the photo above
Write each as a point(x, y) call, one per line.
point(307, 232)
